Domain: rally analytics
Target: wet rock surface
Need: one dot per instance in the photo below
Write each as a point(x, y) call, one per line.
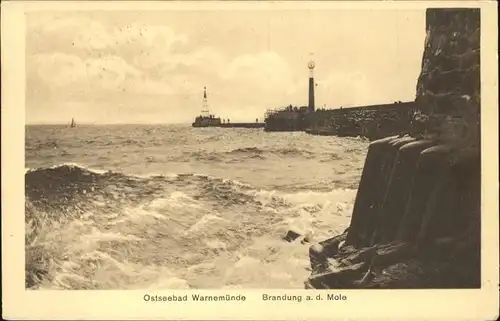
point(416, 219)
point(420, 230)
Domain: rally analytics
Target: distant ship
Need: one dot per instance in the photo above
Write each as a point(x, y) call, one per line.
point(73, 123)
point(206, 119)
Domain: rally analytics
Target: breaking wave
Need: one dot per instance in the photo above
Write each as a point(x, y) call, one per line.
point(98, 229)
point(166, 206)
point(248, 153)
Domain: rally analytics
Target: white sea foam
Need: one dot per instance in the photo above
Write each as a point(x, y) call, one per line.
point(97, 235)
point(218, 225)
point(203, 222)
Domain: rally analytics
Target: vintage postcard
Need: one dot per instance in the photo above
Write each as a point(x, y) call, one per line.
point(295, 160)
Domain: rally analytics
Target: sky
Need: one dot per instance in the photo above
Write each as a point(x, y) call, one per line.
point(104, 67)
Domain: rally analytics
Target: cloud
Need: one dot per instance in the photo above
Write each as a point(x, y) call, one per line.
point(346, 89)
point(67, 34)
point(358, 88)
point(149, 87)
point(150, 60)
point(84, 33)
point(111, 72)
point(92, 36)
point(57, 69)
point(141, 64)
point(259, 81)
point(267, 70)
point(147, 47)
point(69, 71)
point(140, 58)
point(146, 36)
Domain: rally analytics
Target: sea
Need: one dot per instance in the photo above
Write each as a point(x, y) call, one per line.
point(174, 207)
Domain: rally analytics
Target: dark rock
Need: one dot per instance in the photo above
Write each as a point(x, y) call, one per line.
point(401, 275)
point(360, 255)
point(471, 81)
point(427, 230)
point(291, 236)
point(468, 59)
point(398, 190)
point(340, 276)
point(320, 252)
point(392, 253)
point(366, 197)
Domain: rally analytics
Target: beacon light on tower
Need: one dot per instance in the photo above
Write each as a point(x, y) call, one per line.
point(311, 66)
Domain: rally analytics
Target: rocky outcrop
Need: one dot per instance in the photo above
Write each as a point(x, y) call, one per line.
point(416, 218)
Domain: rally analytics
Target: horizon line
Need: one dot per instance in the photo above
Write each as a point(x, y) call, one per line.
point(98, 124)
point(188, 122)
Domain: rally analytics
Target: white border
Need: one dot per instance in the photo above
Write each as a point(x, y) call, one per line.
point(361, 304)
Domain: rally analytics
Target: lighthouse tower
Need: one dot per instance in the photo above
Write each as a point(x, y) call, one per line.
point(204, 108)
point(311, 66)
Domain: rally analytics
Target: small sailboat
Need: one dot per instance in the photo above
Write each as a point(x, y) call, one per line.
point(73, 123)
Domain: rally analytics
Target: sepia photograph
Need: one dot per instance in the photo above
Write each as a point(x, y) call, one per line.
point(262, 149)
point(356, 175)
